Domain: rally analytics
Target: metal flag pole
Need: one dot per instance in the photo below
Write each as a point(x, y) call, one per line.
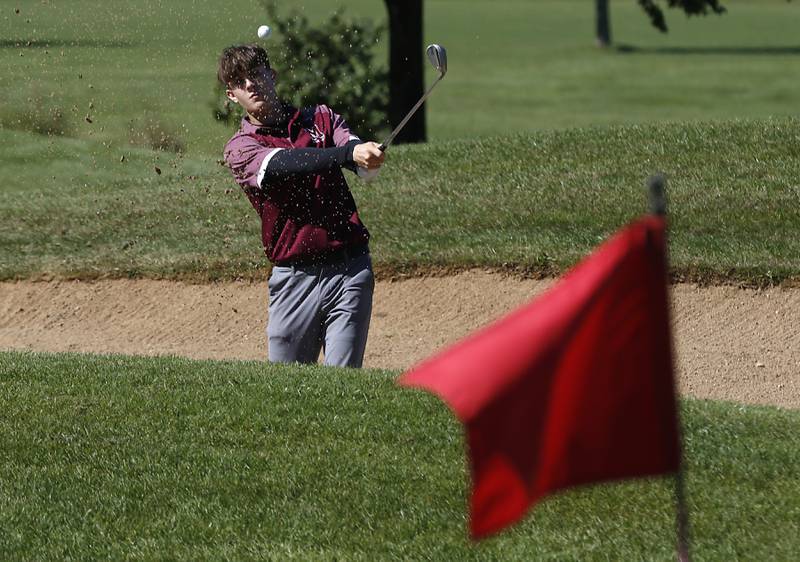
point(682, 515)
point(656, 189)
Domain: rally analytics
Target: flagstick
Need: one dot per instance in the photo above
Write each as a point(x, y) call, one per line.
point(682, 515)
point(656, 190)
point(656, 187)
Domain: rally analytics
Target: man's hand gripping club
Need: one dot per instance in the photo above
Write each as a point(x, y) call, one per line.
point(368, 155)
point(437, 55)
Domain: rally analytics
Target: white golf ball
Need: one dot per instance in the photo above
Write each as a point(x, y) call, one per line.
point(264, 31)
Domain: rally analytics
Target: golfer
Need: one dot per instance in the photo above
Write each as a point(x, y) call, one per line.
point(289, 163)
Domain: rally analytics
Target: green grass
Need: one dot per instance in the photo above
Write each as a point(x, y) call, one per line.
point(122, 458)
point(500, 185)
point(535, 202)
point(141, 458)
point(515, 66)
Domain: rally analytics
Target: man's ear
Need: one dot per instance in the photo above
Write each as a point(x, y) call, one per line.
point(229, 93)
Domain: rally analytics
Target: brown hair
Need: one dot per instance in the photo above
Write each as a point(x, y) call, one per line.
point(237, 61)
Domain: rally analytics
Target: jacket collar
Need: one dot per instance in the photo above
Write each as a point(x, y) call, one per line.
point(274, 130)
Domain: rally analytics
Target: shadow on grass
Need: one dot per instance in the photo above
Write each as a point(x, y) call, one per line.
point(51, 43)
point(747, 51)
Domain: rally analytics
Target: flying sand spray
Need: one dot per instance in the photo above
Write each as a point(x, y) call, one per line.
point(437, 55)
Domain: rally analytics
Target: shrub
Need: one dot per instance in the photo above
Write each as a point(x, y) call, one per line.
point(224, 109)
point(331, 63)
point(39, 115)
point(155, 134)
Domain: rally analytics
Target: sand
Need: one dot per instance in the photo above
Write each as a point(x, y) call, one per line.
point(732, 344)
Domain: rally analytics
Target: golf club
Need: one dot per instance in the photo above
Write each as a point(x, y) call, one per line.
point(438, 58)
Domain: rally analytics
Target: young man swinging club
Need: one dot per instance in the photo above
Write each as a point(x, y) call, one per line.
point(289, 163)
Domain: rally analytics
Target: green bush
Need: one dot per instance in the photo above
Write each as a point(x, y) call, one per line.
point(224, 109)
point(40, 115)
point(153, 133)
point(331, 63)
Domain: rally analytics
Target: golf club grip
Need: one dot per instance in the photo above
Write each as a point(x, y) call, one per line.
point(382, 147)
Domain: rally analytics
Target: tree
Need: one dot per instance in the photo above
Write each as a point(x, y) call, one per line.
point(654, 12)
point(603, 23)
point(406, 70)
point(330, 62)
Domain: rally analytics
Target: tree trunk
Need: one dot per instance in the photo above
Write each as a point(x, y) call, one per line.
point(406, 71)
point(603, 23)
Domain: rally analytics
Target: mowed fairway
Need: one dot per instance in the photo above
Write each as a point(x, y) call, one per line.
point(540, 147)
point(527, 203)
point(123, 458)
point(98, 201)
point(515, 66)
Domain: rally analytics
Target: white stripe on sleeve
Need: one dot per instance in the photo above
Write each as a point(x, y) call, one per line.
point(263, 169)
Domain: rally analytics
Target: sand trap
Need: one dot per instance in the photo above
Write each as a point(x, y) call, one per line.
point(732, 344)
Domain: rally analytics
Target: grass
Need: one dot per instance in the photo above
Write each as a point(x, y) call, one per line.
point(541, 145)
point(109, 457)
point(515, 66)
point(535, 203)
point(110, 160)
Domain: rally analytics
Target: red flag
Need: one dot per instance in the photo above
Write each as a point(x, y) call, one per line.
point(575, 387)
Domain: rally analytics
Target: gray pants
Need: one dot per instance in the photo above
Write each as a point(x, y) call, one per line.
point(320, 307)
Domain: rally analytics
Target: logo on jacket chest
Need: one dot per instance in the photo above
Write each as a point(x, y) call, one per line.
point(316, 134)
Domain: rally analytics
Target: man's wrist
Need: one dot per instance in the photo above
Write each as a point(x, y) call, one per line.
point(351, 146)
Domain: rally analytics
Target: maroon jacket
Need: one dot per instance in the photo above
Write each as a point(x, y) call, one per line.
point(303, 215)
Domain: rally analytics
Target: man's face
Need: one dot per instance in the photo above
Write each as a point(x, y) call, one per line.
point(256, 92)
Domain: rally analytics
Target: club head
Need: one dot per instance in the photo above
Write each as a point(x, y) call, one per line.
point(438, 57)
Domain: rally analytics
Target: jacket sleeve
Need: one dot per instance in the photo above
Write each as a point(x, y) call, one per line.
point(341, 130)
point(289, 161)
point(247, 159)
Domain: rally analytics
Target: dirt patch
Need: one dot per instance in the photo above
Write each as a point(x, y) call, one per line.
point(732, 344)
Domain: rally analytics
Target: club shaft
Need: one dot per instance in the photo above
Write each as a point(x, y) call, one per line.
point(413, 110)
